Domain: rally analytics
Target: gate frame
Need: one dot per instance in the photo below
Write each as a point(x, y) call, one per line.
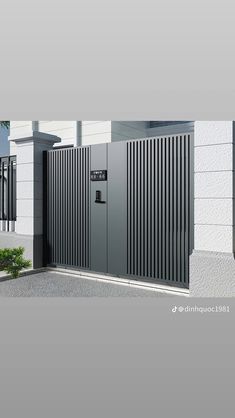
point(132, 277)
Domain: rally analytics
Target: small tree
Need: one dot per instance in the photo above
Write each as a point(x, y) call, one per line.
point(12, 261)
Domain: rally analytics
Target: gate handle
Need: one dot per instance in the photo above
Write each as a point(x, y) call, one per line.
point(98, 197)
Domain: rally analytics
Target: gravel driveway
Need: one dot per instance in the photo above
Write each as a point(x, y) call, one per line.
point(56, 284)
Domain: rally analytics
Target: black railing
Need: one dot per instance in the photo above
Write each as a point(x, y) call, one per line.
point(8, 188)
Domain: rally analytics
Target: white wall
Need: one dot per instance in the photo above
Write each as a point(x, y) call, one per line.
point(85, 132)
point(214, 149)
point(70, 132)
point(19, 129)
point(66, 130)
point(96, 132)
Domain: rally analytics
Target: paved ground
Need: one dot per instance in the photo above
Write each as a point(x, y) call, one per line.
point(56, 284)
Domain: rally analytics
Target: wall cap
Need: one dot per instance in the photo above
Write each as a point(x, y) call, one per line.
point(36, 136)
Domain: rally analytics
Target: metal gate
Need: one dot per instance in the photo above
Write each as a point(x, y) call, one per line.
point(68, 207)
point(124, 208)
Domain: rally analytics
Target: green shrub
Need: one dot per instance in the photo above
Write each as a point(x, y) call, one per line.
point(12, 261)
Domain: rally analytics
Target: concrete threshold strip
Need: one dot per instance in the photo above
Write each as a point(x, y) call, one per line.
point(106, 279)
point(122, 281)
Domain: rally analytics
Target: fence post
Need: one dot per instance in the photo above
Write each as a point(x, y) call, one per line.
point(212, 264)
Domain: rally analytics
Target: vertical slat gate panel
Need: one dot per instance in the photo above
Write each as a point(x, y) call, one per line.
point(132, 209)
point(59, 204)
point(65, 219)
point(75, 194)
point(186, 203)
point(142, 208)
point(183, 207)
point(68, 207)
point(82, 208)
point(79, 205)
point(63, 210)
point(87, 183)
point(138, 144)
point(52, 217)
point(156, 212)
point(167, 208)
point(149, 209)
point(135, 226)
point(160, 208)
point(159, 162)
point(153, 215)
point(179, 211)
point(175, 209)
point(163, 179)
point(128, 208)
point(172, 203)
point(145, 214)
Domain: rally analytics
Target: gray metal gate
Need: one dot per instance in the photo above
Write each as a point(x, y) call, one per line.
point(123, 208)
point(68, 207)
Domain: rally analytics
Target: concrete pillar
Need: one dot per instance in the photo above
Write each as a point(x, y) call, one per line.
point(29, 191)
point(212, 265)
point(64, 129)
point(20, 129)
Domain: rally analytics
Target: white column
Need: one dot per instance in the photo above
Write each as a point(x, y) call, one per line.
point(214, 148)
point(65, 129)
point(212, 264)
point(19, 129)
point(29, 181)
